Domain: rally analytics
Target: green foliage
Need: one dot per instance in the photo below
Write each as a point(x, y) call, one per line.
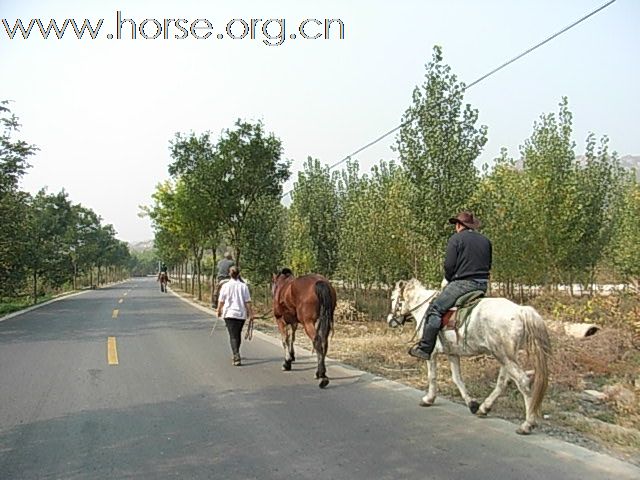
point(438, 144)
point(230, 178)
point(506, 206)
point(144, 262)
point(225, 192)
point(552, 218)
point(13, 203)
point(14, 154)
point(13, 211)
point(549, 163)
point(377, 239)
point(599, 183)
point(263, 240)
point(625, 244)
point(314, 220)
point(45, 239)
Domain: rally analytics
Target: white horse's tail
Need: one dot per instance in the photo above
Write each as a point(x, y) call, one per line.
point(538, 347)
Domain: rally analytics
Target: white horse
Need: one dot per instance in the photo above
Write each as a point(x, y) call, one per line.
point(495, 327)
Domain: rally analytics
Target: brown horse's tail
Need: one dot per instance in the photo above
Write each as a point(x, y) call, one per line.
point(324, 324)
point(538, 347)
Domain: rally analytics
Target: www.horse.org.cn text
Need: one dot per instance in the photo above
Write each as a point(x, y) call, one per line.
point(271, 32)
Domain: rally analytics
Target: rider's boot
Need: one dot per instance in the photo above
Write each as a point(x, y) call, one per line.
point(424, 348)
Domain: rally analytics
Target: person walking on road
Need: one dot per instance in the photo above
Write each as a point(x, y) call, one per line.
point(234, 305)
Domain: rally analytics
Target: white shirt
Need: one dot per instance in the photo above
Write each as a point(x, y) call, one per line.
point(234, 294)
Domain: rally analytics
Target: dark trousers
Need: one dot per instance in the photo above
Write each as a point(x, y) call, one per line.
point(447, 299)
point(234, 327)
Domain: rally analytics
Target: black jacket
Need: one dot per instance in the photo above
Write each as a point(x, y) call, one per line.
point(468, 256)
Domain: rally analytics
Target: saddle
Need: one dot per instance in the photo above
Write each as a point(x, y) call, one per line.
point(456, 317)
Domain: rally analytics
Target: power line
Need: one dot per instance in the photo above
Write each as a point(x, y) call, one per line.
point(475, 82)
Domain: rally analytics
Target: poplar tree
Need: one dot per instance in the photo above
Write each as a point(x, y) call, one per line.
point(438, 144)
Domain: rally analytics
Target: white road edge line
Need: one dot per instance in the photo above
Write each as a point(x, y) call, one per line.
point(57, 299)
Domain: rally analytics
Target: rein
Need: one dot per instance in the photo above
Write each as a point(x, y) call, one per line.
point(413, 309)
point(421, 324)
point(248, 335)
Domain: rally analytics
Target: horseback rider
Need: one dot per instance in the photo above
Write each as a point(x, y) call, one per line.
point(222, 276)
point(466, 268)
point(163, 277)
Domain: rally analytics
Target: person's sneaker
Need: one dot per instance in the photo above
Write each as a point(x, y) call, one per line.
point(236, 361)
point(417, 352)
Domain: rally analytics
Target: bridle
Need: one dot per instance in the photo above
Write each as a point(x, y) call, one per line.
point(394, 322)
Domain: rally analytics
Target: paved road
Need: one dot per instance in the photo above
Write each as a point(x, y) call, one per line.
point(174, 407)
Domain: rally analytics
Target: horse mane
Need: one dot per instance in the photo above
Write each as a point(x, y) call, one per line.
point(414, 285)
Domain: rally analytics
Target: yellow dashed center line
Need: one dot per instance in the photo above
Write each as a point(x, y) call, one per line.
point(125, 294)
point(121, 300)
point(112, 351)
point(115, 313)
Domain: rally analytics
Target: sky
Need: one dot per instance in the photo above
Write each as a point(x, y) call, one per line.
point(102, 111)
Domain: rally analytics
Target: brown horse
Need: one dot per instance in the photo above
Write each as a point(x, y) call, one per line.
point(163, 278)
point(311, 301)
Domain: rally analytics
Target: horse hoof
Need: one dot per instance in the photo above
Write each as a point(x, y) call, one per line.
point(474, 406)
point(523, 431)
point(483, 413)
point(286, 367)
point(425, 404)
point(324, 382)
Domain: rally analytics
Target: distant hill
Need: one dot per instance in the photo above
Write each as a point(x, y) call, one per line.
point(141, 246)
point(627, 161)
point(631, 161)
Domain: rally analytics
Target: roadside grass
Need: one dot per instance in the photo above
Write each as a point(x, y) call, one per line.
point(10, 305)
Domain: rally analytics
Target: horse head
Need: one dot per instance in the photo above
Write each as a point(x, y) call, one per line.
point(408, 298)
point(280, 278)
point(399, 312)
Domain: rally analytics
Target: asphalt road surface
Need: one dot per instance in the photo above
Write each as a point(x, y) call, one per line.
point(127, 382)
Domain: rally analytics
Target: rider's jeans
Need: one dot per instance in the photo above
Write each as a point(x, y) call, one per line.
point(447, 299)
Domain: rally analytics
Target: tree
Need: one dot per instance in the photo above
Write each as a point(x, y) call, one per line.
point(14, 156)
point(506, 206)
point(263, 239)
point(598, 186)
point(624, 249)
point(314, 214)
point(49, 218)
point(438, 144)
point(377, 239)
point(549, 160)
point(244, 167)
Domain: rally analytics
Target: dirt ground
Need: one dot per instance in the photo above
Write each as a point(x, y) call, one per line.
point(593, 398)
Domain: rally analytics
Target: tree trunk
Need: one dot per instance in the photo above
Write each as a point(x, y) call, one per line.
point(35, 287)
point(199, 265)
